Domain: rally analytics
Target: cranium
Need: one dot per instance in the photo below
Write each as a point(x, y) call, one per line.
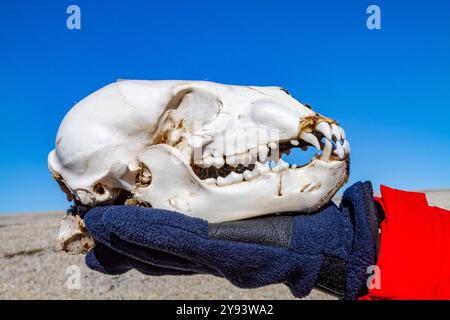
point(205, 149)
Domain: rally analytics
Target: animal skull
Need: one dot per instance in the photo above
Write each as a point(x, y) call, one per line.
point(205, 149)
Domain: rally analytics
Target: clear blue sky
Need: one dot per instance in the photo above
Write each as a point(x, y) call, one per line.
point(390, 89)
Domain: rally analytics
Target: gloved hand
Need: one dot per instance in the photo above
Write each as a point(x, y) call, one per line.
point(330, 249)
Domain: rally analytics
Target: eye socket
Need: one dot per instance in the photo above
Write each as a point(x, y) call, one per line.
point(99, 189)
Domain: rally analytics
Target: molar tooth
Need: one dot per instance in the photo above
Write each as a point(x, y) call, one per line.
point(218, 162)
point(233, 177)
point(335, 131)
point(263, 151)
point(346, 146)
point(295, 142)
point(326, 153)
point(324, 128)
point(339, 151)
point(210, 181)
point(249, 175)
point(310, 138)
point(242, 158)
point(260, 168)
point(231, 160)
point(253, 155)
point(208, 162)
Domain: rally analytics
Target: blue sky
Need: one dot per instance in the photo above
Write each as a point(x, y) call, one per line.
point(389, 88)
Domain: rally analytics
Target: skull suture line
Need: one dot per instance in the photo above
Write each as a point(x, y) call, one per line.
point(205, 149)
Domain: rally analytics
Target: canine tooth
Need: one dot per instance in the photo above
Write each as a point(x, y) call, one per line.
point(310, 138)
point(295, 142)
point(294, 166)
point(324, 128)
point(326, 153)
point(335, 131)
point(339, 151)
point(218, 162)
point(263, 151)
point(346, 146)
point(342, 131)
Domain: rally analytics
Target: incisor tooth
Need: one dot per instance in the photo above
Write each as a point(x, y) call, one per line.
point(335, 131)
point(326, 153)
point(324, 128)
point(339, 151)
point(343, 137)
point(295, 142)
point(346, 146)
point(310, 138)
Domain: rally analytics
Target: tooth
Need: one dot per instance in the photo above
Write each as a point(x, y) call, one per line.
point(339, 151)
point(231, 160)
point(263, 151)
point(208, 162)
point(324, 128)
point(253, 155)
point(218, 162)
point(249, 175)
point(335, 131)
point(346, 146)
point(210, 181)
point(294, 166)
point(233, 177)
point(310, 138)
point(260, 168)
point(273, 145)
point(242, 158)
point(326, 153)
point(343, 137)
point(281, 166)
point(221, 181)
point(295, 142)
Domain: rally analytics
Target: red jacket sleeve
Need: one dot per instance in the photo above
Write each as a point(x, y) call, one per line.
point(414, 258)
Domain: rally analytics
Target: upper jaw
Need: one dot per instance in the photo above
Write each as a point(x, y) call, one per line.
point(225, 167)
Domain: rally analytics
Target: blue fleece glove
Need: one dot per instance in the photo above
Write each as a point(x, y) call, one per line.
point(330, 249)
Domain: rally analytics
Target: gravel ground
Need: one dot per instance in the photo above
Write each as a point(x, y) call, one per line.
point(32, 267)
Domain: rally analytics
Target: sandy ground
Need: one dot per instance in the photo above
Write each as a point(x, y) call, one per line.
point(32, 267)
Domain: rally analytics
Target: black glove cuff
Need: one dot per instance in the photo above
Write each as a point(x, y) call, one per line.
point(333, 276)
